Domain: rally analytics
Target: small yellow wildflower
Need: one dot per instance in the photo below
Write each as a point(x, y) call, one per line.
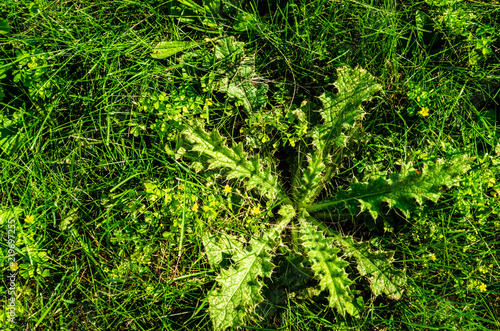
point(482, 287)
point(195, 207)
point(14, 266)
point(209, 101)
point(181, 186)
point(482, 269)
point(433, 257)
point(29, 219)
point(255, 210)
point(424, 111)
point(227, 189)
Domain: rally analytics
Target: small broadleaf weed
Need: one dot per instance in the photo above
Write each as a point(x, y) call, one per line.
point(329, 254)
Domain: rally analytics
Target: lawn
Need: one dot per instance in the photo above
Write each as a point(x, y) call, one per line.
point(250, 164)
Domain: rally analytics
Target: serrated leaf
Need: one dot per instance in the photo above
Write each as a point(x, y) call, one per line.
point(354, 87)
point(341, 115)
point(241, 285)
point(310, 180)
point(240, 165)
point(343, 110)
point(197, 166)
point(401, 189)
point(328, 268)
point(239, 79)
point(288, 212)
point(227, 48)
point(168, 48)
point(218, 245)
point(377, 266)
point(253, 96)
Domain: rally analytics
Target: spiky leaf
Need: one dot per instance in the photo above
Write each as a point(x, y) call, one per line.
point(240, 285)
point(218, 245)
point(328, 268)
point(377, 266)
point(239, 79)
point(259, 175)
point(341, 115)
point(343, 110)
point(355, 85)
point(401, 189)
point(288, 212)
point(228, 49)
point(310, 180)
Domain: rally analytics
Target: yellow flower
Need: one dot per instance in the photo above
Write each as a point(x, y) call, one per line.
point(14, 266)
point(209, 101)
point(227, 189)
point(195, 207)
point(29, 219)
point(482, 287)
point(433, 257)
point(255, 210)
point(424, 111)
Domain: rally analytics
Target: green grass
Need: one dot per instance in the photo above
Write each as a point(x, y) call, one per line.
point(116, 238)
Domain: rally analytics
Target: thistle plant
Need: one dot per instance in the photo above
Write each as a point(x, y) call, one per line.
point(328, 255)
